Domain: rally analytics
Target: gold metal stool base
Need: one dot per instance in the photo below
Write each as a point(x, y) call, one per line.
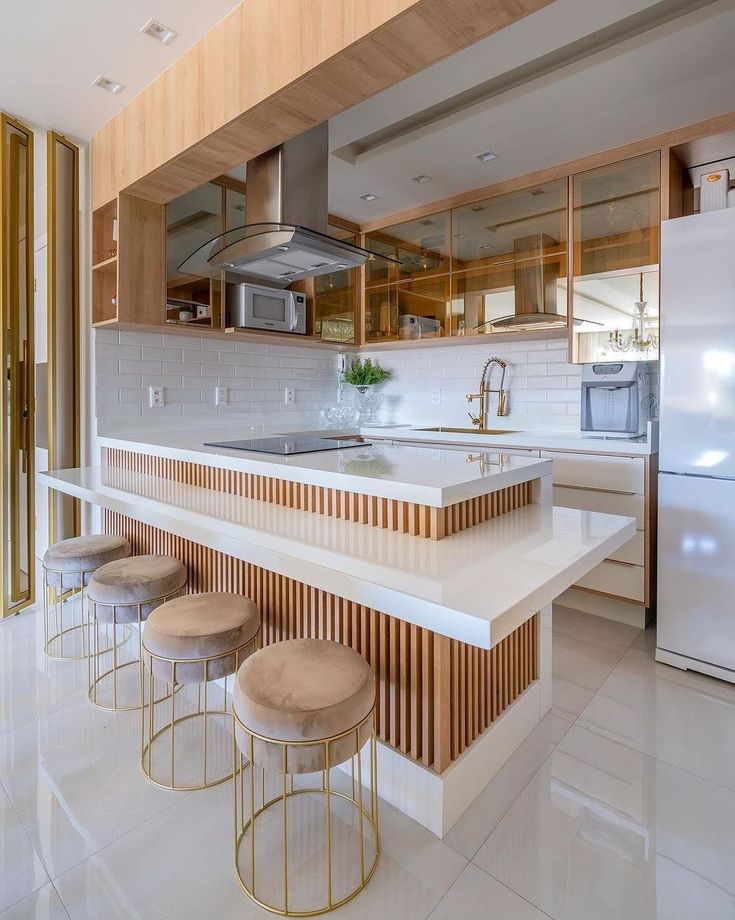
point(97, 679)
point(57, 637)
point(354, 838)
point(212, 721)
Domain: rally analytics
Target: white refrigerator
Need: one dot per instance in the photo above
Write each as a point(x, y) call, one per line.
point(696, 518)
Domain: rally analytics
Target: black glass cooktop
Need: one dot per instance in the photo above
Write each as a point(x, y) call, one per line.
point(285, 446)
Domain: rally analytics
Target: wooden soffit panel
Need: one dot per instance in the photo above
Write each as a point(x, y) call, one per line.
point(269, 70)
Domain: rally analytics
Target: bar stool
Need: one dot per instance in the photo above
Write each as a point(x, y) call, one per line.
point(123, 592)
point(304, 706)
point(67, 569)
point(195, 640)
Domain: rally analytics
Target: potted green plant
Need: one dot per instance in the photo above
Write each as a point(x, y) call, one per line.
point(364, 375)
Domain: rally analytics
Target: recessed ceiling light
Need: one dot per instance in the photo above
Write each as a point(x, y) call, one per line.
point(486, 156)
point(478, 207)
point(368, 197)
point(112, 86)
point(426, 223)
point(159, 31)
point(421, 178)
point(538, 191)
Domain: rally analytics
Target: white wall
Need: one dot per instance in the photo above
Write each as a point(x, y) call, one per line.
point(543, 387)
point(191, 367)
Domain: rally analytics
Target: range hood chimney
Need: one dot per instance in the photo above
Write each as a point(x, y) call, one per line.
point(534, 281)
point(286, 237)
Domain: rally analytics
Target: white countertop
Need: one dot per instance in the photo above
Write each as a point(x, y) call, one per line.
point(414, 474)
point(476, 586)
point(530, 440)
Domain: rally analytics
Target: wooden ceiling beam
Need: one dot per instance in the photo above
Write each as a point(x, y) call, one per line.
point(270, 70)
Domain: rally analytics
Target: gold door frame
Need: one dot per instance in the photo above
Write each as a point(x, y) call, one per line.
point(53, 140)
point(19, 435)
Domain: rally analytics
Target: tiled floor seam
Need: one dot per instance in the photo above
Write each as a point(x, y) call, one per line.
point(55, 878)
point(530, 779)
point(32, 846)
point(516, 893)
point(631, 747)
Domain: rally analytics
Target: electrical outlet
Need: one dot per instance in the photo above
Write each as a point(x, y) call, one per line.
point(220, 396)
point(436, 396)
point(157, 397)
point(289, 395)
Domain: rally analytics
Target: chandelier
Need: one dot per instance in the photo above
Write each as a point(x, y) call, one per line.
point(642, 338)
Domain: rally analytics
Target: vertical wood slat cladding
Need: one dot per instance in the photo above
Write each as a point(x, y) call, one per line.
point(387, 514)
point(435, 695)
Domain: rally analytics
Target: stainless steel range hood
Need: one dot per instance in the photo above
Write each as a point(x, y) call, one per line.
point(286, 236)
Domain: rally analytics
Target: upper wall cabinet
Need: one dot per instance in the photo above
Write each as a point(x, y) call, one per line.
point(335, 299)
point(616, 253)
point(191, 221)
point(509, 261)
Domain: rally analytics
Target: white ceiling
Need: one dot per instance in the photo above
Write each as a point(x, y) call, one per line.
point(52, 50)
point(613, 84)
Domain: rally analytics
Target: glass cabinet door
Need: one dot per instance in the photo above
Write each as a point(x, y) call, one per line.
point(335, 299)
point(616, 253)
point(509, 262)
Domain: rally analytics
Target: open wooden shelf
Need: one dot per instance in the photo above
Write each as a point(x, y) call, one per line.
point(108, 266)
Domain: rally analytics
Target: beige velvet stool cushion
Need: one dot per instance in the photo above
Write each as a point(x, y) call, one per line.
point(143, 580)
point(65, 561)
point(304, 690)
point(213, 625)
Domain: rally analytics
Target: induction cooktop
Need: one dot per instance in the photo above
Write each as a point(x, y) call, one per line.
point(285, 446)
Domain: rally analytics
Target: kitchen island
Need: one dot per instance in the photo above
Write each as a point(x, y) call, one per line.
point(438, 566)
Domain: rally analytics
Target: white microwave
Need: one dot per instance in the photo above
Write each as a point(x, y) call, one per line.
point(250, 306)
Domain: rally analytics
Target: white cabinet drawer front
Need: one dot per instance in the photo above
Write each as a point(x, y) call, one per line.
point(627, 581)
point(617, 474)
point(609, 502)
point(634, 551)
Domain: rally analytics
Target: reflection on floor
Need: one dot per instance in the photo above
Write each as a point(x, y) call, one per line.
point(620, 805)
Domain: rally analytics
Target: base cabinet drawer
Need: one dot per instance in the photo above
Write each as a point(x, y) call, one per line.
point(614, 474)
point(609, 502)
point(617, 578)
point(633, 552)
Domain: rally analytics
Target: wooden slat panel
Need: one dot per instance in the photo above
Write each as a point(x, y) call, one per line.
point(403, 517)
point(436, 696)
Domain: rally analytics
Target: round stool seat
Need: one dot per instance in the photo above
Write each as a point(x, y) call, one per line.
point(119, 588)
point(189, 629)
point(65, 562)
point(303, 690)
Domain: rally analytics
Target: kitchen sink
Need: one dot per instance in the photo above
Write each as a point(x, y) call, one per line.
point(473, 430)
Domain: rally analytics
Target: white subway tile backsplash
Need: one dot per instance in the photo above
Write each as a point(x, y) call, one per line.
point(140, 367)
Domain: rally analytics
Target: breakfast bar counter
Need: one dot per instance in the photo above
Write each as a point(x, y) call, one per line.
point(439, 567)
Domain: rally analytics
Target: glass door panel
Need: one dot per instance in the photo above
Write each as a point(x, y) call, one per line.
point(335, 299)
point(616, 254)
point(509, 262)
point(16, 334)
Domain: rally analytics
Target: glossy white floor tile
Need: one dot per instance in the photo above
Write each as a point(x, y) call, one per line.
point(607, 832)
point(75, 780)
point(476, 895)
point(44, 904)
point(21, 871)
point(682, 717)
point(627, 818)
point(579, 669)
point(31, 684)
point(193, 875)
point(478, 822)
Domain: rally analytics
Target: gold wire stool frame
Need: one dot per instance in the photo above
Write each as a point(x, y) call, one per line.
point(243, 823)
point(55, 598)
point(148, 734)
point(95, 678)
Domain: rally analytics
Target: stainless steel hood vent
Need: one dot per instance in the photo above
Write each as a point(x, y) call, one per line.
point(286, 237)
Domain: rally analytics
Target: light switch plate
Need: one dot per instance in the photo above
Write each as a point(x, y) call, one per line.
point(220, 396)
point(289, 395)
point(157, 397)
point(436, 396)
